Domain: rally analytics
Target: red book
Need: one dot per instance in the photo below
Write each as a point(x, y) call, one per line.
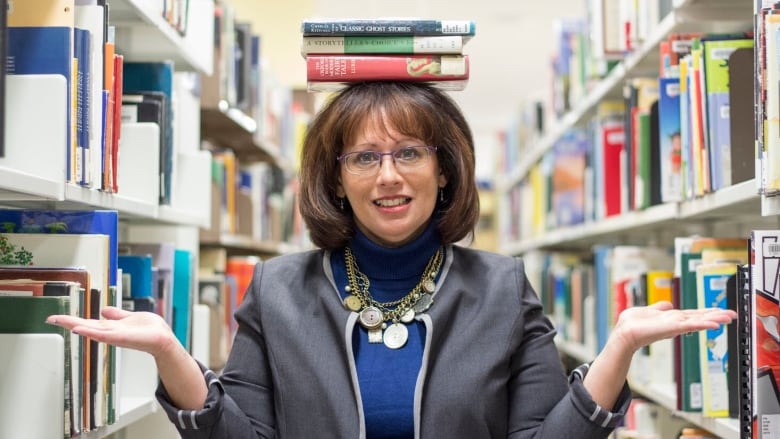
point(346, 68)
point(116, 132)
point(613, 144)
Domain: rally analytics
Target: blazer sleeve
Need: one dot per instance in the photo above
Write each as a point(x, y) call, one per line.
point(544, 403)
point(239, 404)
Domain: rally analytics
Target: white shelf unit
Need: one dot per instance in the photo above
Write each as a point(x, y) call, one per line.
point(733, 208)
point(143, 34)
point(237, 130)
point(33, 168)
point(246, 244)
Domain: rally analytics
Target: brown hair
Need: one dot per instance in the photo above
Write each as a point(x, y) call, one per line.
point(415, 110)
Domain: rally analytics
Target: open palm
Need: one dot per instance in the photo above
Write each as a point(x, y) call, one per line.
point(642, 325)
point(143, 331)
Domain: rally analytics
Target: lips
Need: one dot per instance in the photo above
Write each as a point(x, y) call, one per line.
point(392, 202)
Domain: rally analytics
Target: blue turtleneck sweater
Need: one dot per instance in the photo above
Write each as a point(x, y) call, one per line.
point(387, 376)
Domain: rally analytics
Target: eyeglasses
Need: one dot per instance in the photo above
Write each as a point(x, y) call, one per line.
point(368, 162)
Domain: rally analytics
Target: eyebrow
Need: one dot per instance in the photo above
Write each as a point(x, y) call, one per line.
point(399, 143)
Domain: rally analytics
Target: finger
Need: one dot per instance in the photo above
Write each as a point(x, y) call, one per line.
point(662, 305)
point(65, 320)
point(114, 313)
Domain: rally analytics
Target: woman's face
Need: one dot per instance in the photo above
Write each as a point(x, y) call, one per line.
point(393, 206)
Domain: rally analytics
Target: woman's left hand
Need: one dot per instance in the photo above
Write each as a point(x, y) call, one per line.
point(642, 325)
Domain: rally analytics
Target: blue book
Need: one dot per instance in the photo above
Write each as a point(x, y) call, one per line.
point(568, 178)
point(137, 271)
point(99, 222)
point(182, 282)
point(140, 77)
point(601, 255)
point(669, 139)
point(82, 49)
point(40, 41)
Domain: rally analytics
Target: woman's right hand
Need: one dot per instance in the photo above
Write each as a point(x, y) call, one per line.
point(143, 331)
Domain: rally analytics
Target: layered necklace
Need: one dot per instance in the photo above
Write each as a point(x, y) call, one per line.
point(386, 321)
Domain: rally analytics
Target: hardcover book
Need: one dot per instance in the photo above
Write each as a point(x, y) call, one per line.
point(335, 68)
point(142, 77)
point(27, 315)
point(40, 41)
point(392, 26)
point(44, 221)
point(386, 44)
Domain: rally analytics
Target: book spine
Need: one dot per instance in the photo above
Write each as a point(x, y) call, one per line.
point(391, 27)
point(744, 357)
point(401, 44)
point(396, 68)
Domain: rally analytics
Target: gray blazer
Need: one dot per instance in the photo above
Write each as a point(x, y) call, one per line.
point(489, 368)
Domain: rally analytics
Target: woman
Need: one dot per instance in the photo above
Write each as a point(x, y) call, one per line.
point(390, 330)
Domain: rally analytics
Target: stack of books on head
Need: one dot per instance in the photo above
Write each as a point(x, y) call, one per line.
point(341, 51)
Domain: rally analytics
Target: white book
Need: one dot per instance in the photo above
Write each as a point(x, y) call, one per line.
point(89, 251)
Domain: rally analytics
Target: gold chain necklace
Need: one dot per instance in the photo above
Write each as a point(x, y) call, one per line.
point(373, 314)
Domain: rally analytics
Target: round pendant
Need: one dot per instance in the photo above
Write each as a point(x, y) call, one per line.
point(352, 303)
point(371, 317)
point(429, 285)
point(395, 336)
point(407, 316)
point(423, 303)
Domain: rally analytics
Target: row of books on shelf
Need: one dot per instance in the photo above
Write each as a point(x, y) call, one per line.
point(646, 419)
point(730, 371)
point(587, 48)
point(222, 283)
point(109, 101)
point(255, 200)
point(674, 137)
point(340, 51)
point(71, 262)
point(241, 82)
point(767, 94)
point(57, 37)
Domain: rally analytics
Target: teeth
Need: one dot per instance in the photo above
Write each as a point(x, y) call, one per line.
point(391, 203)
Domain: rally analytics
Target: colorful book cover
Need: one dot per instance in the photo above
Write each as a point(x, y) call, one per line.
point(392, 26)
point(716, 53)
point(689, 343)
point(670, 139)
point(765, 343)
point(136, 275)
point(383, 44)
point(711, 280)
point(568, 178)
point(101, 222)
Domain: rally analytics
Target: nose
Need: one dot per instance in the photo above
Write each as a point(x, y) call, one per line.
point(389, 172)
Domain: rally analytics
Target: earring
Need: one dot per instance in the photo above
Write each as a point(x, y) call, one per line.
point(341, 203)
point(441, 194)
